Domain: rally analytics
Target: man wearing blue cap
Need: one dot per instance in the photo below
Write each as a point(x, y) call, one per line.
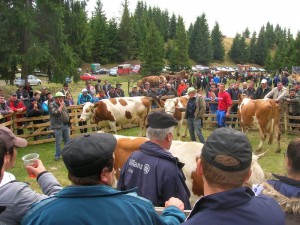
point(225, 165)
point(153, 169)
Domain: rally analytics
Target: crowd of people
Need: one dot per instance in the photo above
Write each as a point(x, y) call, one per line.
point(152, 176)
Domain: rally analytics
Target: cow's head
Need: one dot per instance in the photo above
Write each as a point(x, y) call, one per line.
point(170, 106)
point(87, 111)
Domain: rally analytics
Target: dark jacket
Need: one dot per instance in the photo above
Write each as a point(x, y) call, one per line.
point(157, 175)
point(57, 118)
point(236, 206)
point(260, 93)
point(286, 186)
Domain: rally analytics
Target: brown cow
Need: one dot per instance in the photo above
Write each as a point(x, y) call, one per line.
point(152, 80)
point(263, 111)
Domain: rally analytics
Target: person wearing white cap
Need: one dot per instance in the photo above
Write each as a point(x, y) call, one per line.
point(195, 110)
point(263, 90)
point(60, 122)
point(17, 197)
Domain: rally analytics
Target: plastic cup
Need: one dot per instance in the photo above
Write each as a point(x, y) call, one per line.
point(29, 159)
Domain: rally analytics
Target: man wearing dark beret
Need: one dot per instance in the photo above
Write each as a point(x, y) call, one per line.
point(91, 199)
point(153, 169)
point(225, 165)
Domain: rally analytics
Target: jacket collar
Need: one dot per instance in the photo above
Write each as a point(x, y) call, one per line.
point(286, 180)
point(153, 149)
point(90, 191)
point(223, 200)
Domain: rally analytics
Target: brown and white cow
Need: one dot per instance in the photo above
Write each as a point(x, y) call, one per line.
point(186, 152)
point(265, 112)
point(174, 107)
point(118, 111)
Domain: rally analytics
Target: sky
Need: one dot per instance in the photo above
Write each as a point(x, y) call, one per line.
point(233, 16)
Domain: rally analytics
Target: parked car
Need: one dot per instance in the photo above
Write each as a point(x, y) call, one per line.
point(33, 80)
point(113, 71)
point(102, 71)
point(136, 69)
point(166, 69)
point(87, 76)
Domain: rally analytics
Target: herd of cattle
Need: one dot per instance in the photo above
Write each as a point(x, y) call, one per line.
point(120, 111)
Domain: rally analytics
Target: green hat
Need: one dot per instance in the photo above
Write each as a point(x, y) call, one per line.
point(191, 89)
point(59, 94)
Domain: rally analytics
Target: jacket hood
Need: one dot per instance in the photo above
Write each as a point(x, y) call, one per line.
point(288, 205)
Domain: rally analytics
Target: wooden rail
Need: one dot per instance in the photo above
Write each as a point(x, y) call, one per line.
point(37, 129)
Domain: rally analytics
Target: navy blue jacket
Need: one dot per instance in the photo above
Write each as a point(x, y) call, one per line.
point(236, 206)
point(156, 174)
point(286, 186)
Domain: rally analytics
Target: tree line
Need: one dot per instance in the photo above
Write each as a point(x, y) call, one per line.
point(57, 36)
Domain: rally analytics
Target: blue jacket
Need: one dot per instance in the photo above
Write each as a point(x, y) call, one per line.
point(99, 204)
point(156, 173)
point(286, 186)
point(84, 99)
point(236, 206)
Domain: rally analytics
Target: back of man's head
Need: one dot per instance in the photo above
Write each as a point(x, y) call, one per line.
point(226, 158)
point(86, 156)
point(159, 125)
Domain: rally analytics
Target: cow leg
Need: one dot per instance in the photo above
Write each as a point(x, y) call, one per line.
point(113, 127)
point(278, 135)
point(262, 139)
point(178, 130)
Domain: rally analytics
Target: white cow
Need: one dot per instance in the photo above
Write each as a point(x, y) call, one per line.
point(117, 111)
point(186, 152)
point(174, 107)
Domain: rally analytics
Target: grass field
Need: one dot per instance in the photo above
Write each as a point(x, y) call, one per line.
point(271, 163)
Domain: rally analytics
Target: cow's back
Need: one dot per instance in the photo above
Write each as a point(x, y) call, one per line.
point(127, 109)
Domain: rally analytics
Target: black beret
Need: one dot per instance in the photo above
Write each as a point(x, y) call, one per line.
point(84, 155)
point(228, 141)
point(161, 120)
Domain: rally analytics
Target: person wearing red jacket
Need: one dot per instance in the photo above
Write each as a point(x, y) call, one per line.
point(224, 105)
point(181, 87)
point(17, 106)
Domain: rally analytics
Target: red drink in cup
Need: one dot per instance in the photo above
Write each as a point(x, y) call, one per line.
point(30, 160)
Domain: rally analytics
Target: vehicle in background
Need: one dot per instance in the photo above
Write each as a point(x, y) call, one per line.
point(95, 67)
point(124, 69)
point(33, 80)
point(102, 71)
point(166, 69)
point(87, 76)
point(113, 71)
point(136, 69)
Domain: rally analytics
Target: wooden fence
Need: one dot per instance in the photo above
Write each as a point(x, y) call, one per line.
point(37, 129)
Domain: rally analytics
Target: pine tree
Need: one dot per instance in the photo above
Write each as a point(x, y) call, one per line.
point(239, 52)
point(179, 59)
point(295, 56)
point(99, 35)
point(246, 33)
point(253, 48)
point(270, 35)
point(261, 48)
point(172, 27)
point(153, 51)
point(126, 34)
point(217, 43)
point(200, 48)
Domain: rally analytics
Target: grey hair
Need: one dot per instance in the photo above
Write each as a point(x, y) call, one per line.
point(158, 133)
